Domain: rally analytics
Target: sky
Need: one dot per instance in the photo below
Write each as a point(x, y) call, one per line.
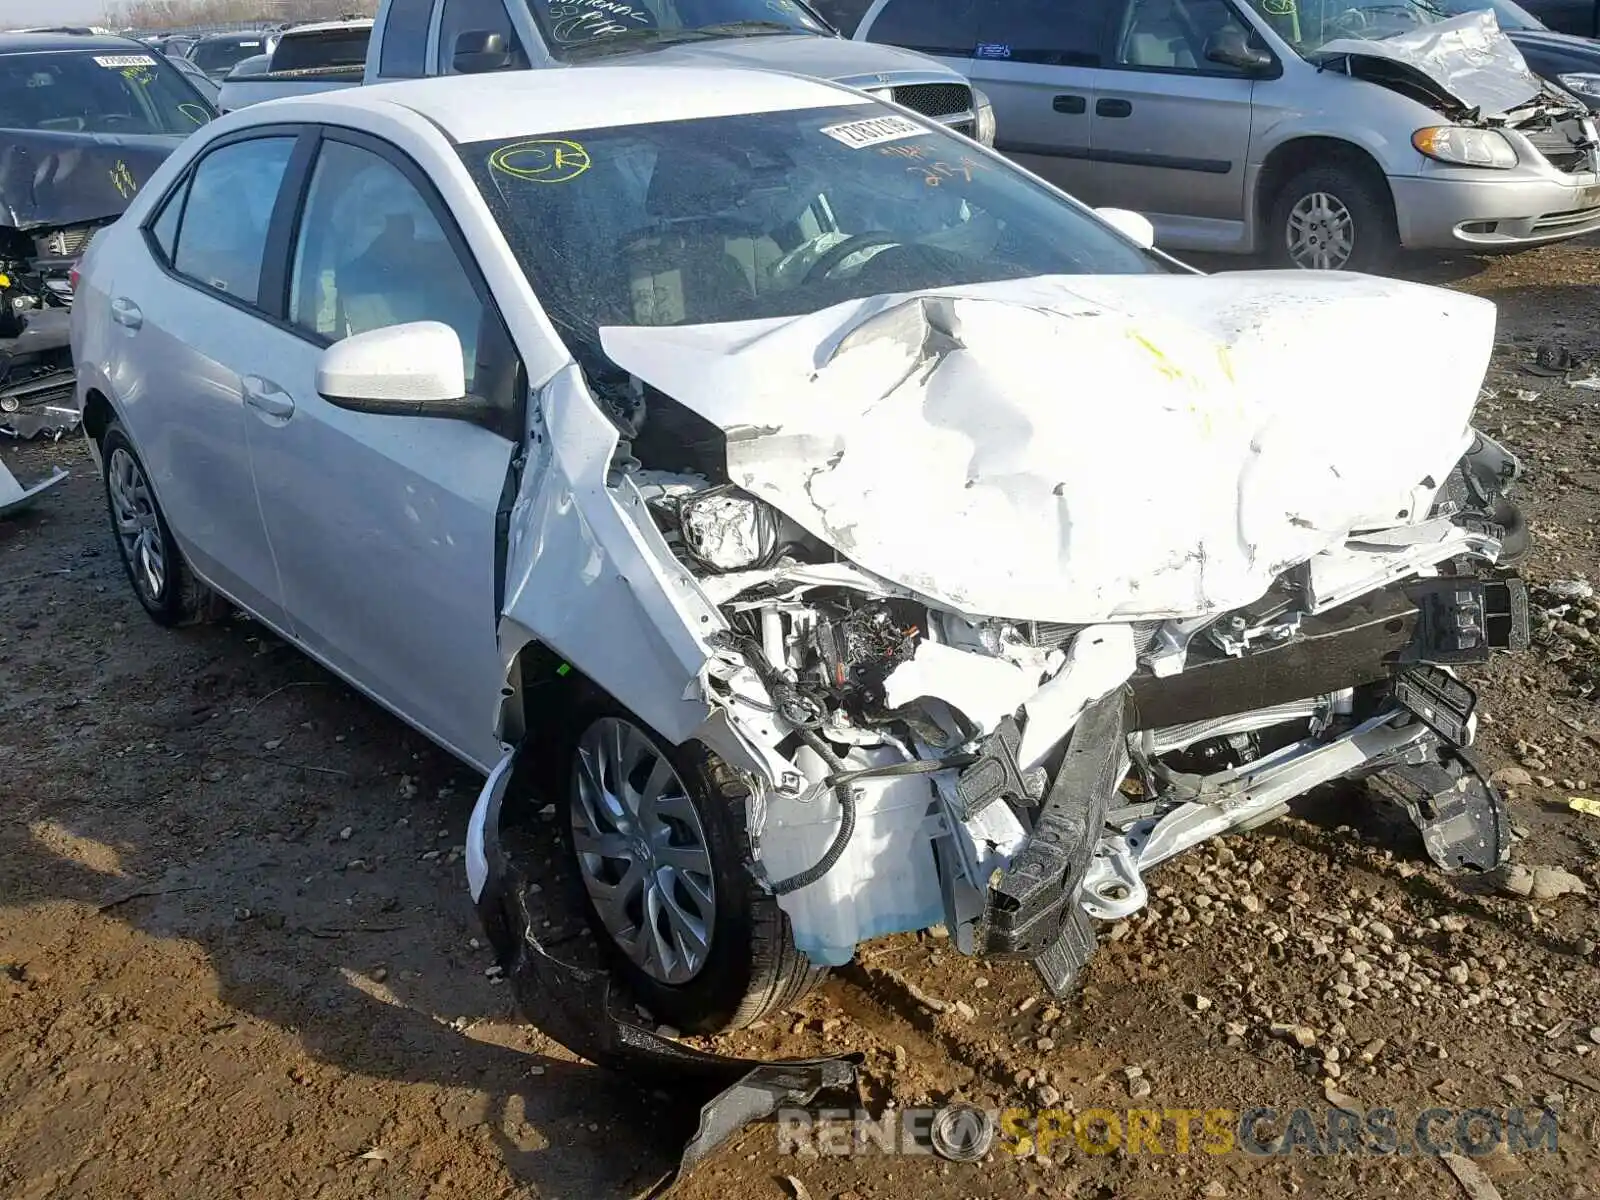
point(49, 12)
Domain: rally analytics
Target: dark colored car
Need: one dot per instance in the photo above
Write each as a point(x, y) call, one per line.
point(1579, 18)
point(84, 122)
point(219, 53)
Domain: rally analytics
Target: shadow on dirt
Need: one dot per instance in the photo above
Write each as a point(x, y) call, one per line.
point(215, 786)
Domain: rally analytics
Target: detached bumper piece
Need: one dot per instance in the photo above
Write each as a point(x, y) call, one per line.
point(1030, 911)
point(14, 497)
point(1459, 813)
point(579, 1006)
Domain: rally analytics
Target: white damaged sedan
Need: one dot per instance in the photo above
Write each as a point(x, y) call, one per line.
point(845, 531)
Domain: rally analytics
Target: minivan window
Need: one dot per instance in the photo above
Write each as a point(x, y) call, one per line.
point(576, 28)
point(1058, 33)
point(1173, 35)
point(96, 92)
point(947, 27)
point(772, 214)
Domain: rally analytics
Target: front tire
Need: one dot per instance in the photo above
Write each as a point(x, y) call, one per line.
point(659, 839)
point(155, 566)
point(1332, 218)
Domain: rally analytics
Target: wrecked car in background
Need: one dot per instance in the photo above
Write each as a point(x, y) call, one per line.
point(1326, 134)
point(83, 123)
point(879, 537)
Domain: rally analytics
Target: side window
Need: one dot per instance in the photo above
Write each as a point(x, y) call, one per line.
point(1174, 35)
point(164, 229)
point(231, 195)
point(470, 16)
point(948, 27)
point(405, 40)
point(371, 253)
point(1059, 33)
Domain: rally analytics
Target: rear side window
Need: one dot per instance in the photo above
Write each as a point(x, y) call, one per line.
point(1060, 33)
point(948, 27)
point(165, 227)
point(311, 51)
point(405, 40)
point(223, 238)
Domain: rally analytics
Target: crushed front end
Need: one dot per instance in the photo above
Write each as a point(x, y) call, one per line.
point(36, 375)
point(1016, 780)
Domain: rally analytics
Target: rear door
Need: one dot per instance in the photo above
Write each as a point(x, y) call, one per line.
point(1039, 61)
point(1171, 129)
point(383, 527)
point(191, 321)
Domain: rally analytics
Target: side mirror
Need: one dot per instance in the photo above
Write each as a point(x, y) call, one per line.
point(411, 370)
point(479, 50)
point(1134, 226)
point(1231, 47)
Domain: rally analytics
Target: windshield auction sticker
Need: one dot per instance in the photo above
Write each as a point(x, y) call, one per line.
point(873, 131)
point(115, 62)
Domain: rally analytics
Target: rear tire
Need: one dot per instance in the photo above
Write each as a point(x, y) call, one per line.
point(750, 966)
point(156, 569)
point(1334, 218)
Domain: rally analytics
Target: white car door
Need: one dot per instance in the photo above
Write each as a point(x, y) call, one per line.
point(384, 527)
point(189, 314)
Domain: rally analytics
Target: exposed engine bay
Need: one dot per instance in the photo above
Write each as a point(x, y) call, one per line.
point(924, 734)
point(36, 376)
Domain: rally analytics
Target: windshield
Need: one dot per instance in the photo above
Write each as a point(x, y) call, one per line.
point(1308, 25)
point(216, 56)
point(579, 28)
point(84, 92)
point(774, 214)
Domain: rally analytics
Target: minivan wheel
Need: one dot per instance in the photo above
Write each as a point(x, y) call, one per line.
point(161, 579)
point(658, 836)
point(1332, 218)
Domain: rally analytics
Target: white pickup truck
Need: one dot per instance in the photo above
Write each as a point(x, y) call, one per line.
point(307, 58)
point(415, 39)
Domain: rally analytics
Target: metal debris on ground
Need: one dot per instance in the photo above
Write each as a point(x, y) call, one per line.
point(14, 497)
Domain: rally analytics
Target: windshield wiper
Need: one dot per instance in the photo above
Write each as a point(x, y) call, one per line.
point(747, 28)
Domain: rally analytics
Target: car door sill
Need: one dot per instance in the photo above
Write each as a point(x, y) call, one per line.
point(481, 768)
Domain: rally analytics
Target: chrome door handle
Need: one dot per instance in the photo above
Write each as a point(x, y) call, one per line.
point(126, 313)
point(268, 397)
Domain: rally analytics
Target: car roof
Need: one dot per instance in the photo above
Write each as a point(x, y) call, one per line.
point(22, 43)
point(238, 35)
point(475, 108)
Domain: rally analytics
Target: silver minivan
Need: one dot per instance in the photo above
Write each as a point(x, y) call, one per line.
point(1325, 133)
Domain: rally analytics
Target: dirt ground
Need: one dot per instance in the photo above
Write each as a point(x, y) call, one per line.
point(237, 956)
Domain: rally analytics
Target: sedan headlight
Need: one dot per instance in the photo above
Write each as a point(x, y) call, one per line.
point(984, 126)
point(1584, 84)
point(1463, 147)
point(724, 529)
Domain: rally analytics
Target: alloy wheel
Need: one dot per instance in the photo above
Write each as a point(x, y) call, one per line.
point(1320, 232)
point(642, 851)
point(138, 527)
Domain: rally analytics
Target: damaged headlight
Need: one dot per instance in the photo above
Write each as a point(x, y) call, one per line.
point(724, 529)
point(1582, 83)
point(1463, 147)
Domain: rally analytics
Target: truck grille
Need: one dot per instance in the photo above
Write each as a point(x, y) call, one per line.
point(935, 99)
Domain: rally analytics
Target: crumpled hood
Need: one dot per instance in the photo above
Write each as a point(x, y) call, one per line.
point(50, 178)
point(1081, 449)
point(1469, 56)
